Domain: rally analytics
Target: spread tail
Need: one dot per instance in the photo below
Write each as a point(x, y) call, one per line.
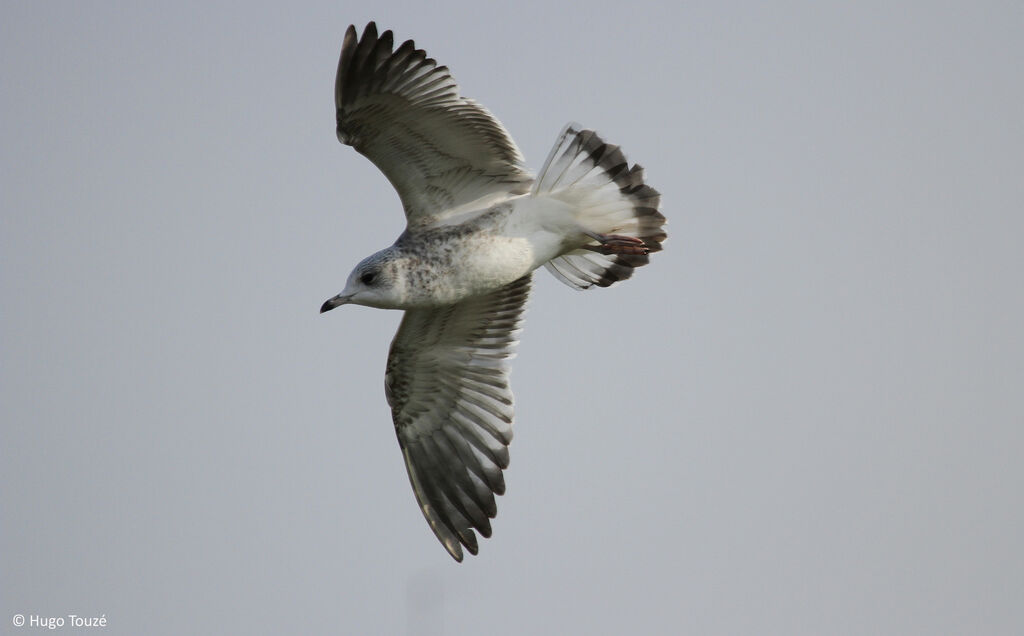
point(611, 200)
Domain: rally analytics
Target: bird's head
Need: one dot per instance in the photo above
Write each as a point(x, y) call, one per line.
point(375, 282)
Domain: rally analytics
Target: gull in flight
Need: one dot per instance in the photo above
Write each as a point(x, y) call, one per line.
point(478, 223)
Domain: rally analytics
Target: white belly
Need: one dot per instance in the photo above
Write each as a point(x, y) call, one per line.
point(497, 248)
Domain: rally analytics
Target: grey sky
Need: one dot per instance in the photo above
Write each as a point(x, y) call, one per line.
point(805, 417)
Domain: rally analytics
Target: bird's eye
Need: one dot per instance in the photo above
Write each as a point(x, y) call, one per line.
point(368, 278)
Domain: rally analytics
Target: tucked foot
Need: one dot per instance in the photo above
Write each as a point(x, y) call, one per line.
point(616, 244)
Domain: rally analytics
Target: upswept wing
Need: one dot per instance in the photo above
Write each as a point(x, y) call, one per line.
point(439, 150)
point(447, 385)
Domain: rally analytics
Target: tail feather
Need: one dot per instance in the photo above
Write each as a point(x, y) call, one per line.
point(611, 198)
point(582, 269)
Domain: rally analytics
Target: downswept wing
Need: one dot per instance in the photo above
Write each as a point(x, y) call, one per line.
point(439, 150)
point(447, 385)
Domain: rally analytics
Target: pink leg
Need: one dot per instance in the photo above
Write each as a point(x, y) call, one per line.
point(616, 244)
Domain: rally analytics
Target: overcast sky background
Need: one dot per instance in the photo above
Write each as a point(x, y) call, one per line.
point(805, 417)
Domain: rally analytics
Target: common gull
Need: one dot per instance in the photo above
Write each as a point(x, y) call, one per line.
point(477, 224)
